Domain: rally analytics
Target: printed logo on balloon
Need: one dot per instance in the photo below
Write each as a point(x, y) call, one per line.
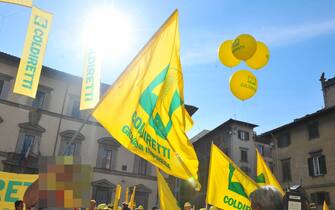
point(243, 84)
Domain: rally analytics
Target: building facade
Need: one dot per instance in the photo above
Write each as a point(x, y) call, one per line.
point(304, 150)
point(44, 126)
point(236, 139)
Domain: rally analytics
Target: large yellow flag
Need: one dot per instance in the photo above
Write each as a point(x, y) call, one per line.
point(117, 197)
point(27, 3)
point(228, 186)
point(144, 109)
point(325, 206)
point(166, 199)
point(265, 176)
point(30, 66)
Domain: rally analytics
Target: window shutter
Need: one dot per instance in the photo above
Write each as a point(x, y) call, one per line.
point(247, 136)
point(322, 163)
point(310, 167)
point(239, 133)
point(148, 169)
point(100, 155)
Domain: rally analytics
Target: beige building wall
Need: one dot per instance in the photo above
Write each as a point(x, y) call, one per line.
point(14, 109)
point(301, 148)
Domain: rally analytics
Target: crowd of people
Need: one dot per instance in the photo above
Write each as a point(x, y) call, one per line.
point(264, 198)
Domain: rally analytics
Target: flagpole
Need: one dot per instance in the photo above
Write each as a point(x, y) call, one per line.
point(197, 183)
point(78, 131)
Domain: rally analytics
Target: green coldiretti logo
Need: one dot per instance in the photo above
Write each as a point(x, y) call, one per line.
point(235, 186)
point(148, 102)
point(260, 178)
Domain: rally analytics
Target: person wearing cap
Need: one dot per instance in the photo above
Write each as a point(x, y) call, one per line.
point(102, 206)
point(140, 207)
point(213, 208)
point(187, 206)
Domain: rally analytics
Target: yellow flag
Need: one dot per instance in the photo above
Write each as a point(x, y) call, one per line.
point(90, 89)
point(127, 195)
point(117, 197)
point(325, 206)
point(144, 109)
point(30, 67)
point(13, 187)
point(265, 176)
point(228, 186)
point(27, 3)
point(132, 199)
point(166, 199)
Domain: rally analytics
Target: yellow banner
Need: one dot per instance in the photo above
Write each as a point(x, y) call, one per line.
point(90, 89)
point(30, 67)
point(166, 199)
point(27, 3)
point(12, 188)
point(265, 176)
point(144, 110)
point(117, 197)
point(228, 186)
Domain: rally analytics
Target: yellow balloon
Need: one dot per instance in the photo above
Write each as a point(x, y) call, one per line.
point(244, 47)
point(243, 84)
point(260, 58)
point(226, 56)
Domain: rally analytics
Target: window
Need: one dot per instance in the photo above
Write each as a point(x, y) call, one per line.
point(28, 143)
point(313, 130)
point(284, 140)
point(4, 85)
point(74, 106)
point(107, 154)
point(141, 166)
point(319, 197)
point(70, 151)
point(260, 149)
point(124, 167)
point(39, 100)
point(286, 168)
point(107, 159)
point(317, 165)
point(243, 135)
point(75, 147)
point(244, 155)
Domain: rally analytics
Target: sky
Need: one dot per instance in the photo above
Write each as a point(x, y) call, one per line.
point(300, 36)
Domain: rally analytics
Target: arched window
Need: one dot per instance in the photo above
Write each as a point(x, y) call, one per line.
point(75, 148)
point(107, 154)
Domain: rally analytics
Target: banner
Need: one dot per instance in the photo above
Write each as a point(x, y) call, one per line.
point(27, 3)
point(30, 67)
point(166, 199)
point(265, 176)
point(12, 188)
point(228, 186)
point(90, 89)
point(117, 197)
point(144, 109)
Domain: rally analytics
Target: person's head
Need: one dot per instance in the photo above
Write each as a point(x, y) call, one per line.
point(266, 198)
point(92, 204)
point(125, 204)
point(155, 208)
point(187, 206)
point(140, 207)
point(213, 208)
point(19, 205)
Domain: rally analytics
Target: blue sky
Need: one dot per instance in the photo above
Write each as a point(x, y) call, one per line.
point(300, 35)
